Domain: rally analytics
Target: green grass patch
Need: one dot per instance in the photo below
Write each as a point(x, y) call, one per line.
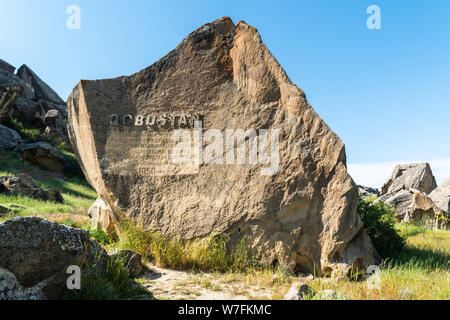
point(10, 164)
point(77, 194)
point(110, 283)
point(214, 253)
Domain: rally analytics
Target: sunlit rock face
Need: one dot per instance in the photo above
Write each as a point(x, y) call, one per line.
point(158, 147)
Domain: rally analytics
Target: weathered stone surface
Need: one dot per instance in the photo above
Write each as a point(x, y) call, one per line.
point(413, 206)
point(37, 252)
point(9, 138)
point(299, 291)
point(24, 110)
point(8, 79)
point(42, 154)
point(40, 89)
point(441, 196)
point(5, 66)
point(367, 191)
point(302, 215)
point(47, 106)
point(411, 176)
point(132, 260)
point(24, 185)
point(101, 216)
point(56, 126)
point(8, 96)
point(11, 289)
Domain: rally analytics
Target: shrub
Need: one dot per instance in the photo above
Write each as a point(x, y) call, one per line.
point(100, 236)
point(379, 221)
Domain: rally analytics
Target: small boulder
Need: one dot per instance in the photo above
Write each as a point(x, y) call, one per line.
point(100, 214)
point(37, 252)
point(9, 138)
point(56, 126)
point(132, 261)
point(11, 289)
point(43, 155)
point(24, 185)
point(299, 291)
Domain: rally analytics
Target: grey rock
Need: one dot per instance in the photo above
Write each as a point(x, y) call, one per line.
point(62, 108)
point(367, 191)
point(56, 126)
point(441, 196)
point(9, 138)
point(411, 176)
point(43, 155)
point(6, 66)
point(8, 79)
point(40, 89)
point(37, 252)
point(25, 110)
point(299, 291)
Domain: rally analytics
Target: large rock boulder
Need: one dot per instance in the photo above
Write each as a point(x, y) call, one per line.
point(416, 176)
point(40, 89)
point(413, 206)
point(24, 185)
point(35, 255)
point(43, 155)
point(441, 196)
point(296, 206)
point(9, 138)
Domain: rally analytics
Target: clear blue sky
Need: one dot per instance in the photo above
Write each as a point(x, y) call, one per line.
point(385, 92)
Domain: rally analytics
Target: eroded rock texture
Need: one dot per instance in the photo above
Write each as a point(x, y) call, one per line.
point(416, 176)
point(35, 254)
point(303, 216)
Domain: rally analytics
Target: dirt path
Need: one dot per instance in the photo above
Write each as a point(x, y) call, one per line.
point(169, 284)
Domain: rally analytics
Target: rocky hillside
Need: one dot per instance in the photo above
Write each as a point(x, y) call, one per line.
point(33, 137)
